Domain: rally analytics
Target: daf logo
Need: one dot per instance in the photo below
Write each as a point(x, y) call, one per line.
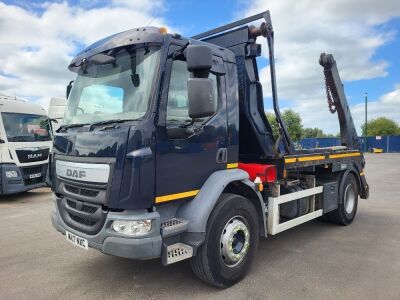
point(35, 155)
point(76, 173)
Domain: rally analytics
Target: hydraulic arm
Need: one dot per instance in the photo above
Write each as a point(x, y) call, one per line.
point(338, 103)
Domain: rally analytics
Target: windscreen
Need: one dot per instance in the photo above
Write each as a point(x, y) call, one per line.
point(26, 127)
point(115, 88)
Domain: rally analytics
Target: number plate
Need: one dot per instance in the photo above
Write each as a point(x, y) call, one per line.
point(76, 240)
point(36, 175)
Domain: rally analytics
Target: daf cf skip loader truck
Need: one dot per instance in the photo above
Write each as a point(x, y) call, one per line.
point(166, 152)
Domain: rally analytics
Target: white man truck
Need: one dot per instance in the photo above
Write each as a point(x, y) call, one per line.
point(25, 144)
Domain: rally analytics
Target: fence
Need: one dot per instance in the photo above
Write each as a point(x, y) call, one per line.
point(389, 143)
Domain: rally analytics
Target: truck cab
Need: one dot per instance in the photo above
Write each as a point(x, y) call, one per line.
point(165, 151)
point(56, 112)
point(25, 143)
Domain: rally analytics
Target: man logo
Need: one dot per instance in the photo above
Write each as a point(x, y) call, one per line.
point(76, 173)
point(35, 155)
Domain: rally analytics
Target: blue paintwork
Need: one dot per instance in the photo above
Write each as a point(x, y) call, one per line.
point(232, 107)
point(167, 166)
point(185, 164)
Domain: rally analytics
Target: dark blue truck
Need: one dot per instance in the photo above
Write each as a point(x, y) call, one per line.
point(165, 152)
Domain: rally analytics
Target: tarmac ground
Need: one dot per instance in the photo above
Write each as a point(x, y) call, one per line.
point(313, 261)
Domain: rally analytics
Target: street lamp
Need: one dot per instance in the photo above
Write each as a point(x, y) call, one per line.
point(366, 124)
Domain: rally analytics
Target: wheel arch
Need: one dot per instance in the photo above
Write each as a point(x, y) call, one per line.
point(246, 189)
point(235, 181)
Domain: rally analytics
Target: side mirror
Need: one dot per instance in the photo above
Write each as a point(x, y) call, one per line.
point(69, 87)
point(198, 58)
point(201, 97)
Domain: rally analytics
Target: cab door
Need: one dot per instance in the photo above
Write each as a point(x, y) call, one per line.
point(186, 155)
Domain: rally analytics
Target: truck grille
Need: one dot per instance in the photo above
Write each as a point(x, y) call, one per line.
point(27, 172)
point(84, 221)
point(85, 217)
point(26, 155)
point(86, 208)
point(81, 191)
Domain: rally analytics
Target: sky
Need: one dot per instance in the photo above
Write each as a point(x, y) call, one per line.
point(38, 40)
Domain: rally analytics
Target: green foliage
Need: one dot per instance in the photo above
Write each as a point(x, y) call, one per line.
point(381, 126)
point(313, 133)
point(274, 125)
point(292, 121)
point(317, 133)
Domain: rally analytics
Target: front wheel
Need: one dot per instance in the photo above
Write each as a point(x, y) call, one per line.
point(231, 242)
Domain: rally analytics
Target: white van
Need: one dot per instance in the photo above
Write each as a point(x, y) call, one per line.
point(25, 143)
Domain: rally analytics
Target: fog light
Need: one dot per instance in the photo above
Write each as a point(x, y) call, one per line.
point(136, 228)
point(11, 174)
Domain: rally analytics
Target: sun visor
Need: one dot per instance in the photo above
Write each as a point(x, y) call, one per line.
point(129, 37)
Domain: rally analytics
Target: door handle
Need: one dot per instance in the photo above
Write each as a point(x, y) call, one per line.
point(222, 155)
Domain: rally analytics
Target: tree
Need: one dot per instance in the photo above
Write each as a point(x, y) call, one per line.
point(381, 126)
point(313, 133)
point(274, 125)
point(292, 121)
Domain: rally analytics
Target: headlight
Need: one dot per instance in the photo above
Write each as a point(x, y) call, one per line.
point(11, 174)
point(136, 228)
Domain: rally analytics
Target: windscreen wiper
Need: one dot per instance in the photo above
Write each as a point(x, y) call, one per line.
point(64, 128)
point(108, 122)
point(20, 138)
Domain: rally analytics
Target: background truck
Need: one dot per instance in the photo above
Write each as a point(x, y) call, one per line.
point(25, 144)
point(56, 111)
point(165, 151)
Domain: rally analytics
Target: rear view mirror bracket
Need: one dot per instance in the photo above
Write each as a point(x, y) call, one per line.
point(69, 88)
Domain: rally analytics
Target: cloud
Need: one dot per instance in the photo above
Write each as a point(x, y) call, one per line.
point(39, 41)
point(351, 30)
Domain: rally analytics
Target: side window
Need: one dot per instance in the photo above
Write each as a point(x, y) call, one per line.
point(177, 107)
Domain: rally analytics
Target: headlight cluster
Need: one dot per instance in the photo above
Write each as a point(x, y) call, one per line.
point(133, 228)
point(11, 174)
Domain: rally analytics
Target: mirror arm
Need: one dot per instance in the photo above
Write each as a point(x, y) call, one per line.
point(69, 87)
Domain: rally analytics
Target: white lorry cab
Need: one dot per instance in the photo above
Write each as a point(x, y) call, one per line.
point(56, 111)
point(25, 143)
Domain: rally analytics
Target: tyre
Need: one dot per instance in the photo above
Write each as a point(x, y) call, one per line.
point(231, 241)
point(346, 211)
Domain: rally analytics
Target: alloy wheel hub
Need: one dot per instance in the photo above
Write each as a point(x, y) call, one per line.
point(235, 241)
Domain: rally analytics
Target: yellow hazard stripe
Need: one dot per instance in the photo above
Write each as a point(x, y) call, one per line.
point(319, 157)
point(344, 155)
point(177, 196)
point(232, 165)
point(308, 158)
point(304, 158)
point(290, 160)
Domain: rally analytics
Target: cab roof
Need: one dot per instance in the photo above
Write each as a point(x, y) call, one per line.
point(15, 104)
point(141, 35)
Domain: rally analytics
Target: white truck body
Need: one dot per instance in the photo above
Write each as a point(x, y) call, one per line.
point(25, 144)
point(56, 111)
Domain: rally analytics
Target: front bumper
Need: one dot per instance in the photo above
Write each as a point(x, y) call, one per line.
point(21, 183)
point(110, 242)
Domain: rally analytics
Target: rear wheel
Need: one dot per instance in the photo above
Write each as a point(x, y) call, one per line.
point(346, 211)
point(231, 242)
